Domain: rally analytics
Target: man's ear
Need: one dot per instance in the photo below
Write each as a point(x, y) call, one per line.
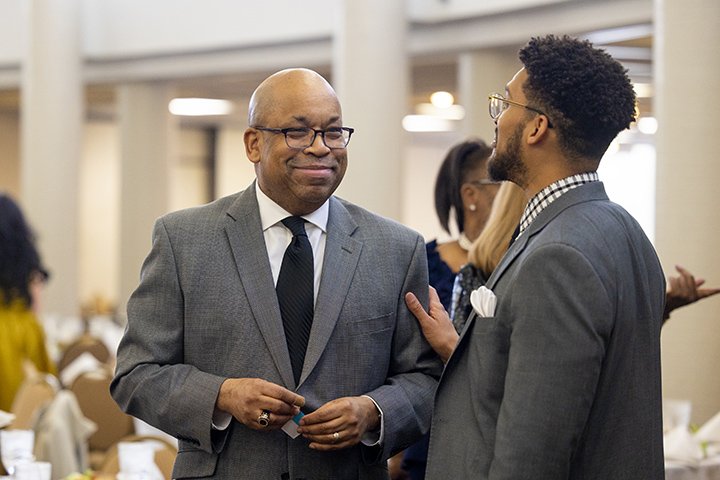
point(538, 129)
point(252, 144)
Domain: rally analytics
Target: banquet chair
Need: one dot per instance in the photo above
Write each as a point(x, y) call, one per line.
point(36, 392)
point(92, 390)
point(85, 343)
point(165, 454)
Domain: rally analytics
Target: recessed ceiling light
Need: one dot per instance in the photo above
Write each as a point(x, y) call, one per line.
point(643, 90)
point(199, 106)
point(426, 123)
point(442, 99)
point(452, 112)
point(647, 125)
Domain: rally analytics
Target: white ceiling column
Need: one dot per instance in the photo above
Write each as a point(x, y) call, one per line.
point(687, 99)
point(370, 74)
point(148, 144)
point(51, 136)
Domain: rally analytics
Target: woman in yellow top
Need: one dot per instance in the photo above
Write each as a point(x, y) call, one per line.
point(21, 272)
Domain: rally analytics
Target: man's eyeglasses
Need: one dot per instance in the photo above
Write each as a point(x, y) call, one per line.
point(483, 182)
point(498, 104)
point(300, 138)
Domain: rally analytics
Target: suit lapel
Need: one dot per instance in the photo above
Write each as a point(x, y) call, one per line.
point(245, 234)
point(341, 258)
point(507, 260)
point(583, 193)
point(518, 246)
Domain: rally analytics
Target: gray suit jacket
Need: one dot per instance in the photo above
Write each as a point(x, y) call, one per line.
point(206, 309)
point(564, 381)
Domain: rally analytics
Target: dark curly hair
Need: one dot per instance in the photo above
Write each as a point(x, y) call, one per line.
point(585, 92)
point(460, 161)
point(19, 259)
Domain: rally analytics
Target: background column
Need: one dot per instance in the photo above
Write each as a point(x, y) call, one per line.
point(370, 74)
point(479, 74)
point(148, 139)
point(52, 107)
point(687, 100)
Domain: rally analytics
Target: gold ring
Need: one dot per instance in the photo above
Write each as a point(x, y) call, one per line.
point(264, 418)
point(336, 437)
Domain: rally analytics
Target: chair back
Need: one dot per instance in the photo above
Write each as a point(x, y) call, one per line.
point(34, 394)
point(92, 390)
point(85, 343)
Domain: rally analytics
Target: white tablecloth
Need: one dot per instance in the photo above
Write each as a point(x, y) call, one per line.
point(708, 469)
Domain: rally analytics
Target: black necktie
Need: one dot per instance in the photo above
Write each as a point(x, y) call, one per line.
point(294, 289)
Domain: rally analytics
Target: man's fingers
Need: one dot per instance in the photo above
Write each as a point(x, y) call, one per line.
point(326, 447)
point(283, 394)
point(325, 414)
point(707, 292)
point(277, 406)
point(316, 431)
point(434, 297)
point(682, 270)
point(416, 307)
point(686, 281)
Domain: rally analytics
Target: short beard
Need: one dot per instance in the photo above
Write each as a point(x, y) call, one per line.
point(508, 165)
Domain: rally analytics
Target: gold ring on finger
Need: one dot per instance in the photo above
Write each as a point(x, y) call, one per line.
point(264, 418)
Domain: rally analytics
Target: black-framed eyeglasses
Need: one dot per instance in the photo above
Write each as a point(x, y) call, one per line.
point(303, 137)
point(498, 104)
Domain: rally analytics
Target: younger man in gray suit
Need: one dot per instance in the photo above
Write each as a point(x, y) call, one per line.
point(207, 355)
point(561, 379)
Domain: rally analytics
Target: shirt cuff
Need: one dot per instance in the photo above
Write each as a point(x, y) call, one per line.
point(372, 439)
point(221, 420)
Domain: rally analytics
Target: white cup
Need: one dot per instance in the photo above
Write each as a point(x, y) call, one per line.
point(16, 446)
point(33, 471)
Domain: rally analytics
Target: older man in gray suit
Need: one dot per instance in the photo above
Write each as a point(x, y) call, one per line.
point(561, 378)
point(208, 356)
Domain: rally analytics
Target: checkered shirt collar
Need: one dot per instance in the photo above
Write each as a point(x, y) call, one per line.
point(551, 193)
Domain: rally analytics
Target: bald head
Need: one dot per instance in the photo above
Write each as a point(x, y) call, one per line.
point(286, 85)
point(300, 101)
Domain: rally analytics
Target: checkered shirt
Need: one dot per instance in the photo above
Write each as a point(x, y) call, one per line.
point(551, 193)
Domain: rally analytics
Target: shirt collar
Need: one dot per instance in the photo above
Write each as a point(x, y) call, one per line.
point(271, 213)
point(551, 193)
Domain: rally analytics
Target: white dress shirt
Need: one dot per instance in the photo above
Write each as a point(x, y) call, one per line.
point(278, 236)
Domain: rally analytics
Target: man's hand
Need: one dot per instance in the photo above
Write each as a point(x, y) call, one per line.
point(247, 398)
point(684, 290)
point(349, 417)
point(435, 324)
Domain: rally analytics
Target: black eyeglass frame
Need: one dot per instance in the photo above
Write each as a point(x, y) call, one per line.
point(322, 133)
point(501, 97)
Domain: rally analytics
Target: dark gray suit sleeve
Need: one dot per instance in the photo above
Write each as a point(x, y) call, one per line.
point(151, 381)
point(406, 398)
point(560, 319)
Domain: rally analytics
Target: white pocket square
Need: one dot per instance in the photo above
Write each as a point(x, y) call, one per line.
point(483, 301)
